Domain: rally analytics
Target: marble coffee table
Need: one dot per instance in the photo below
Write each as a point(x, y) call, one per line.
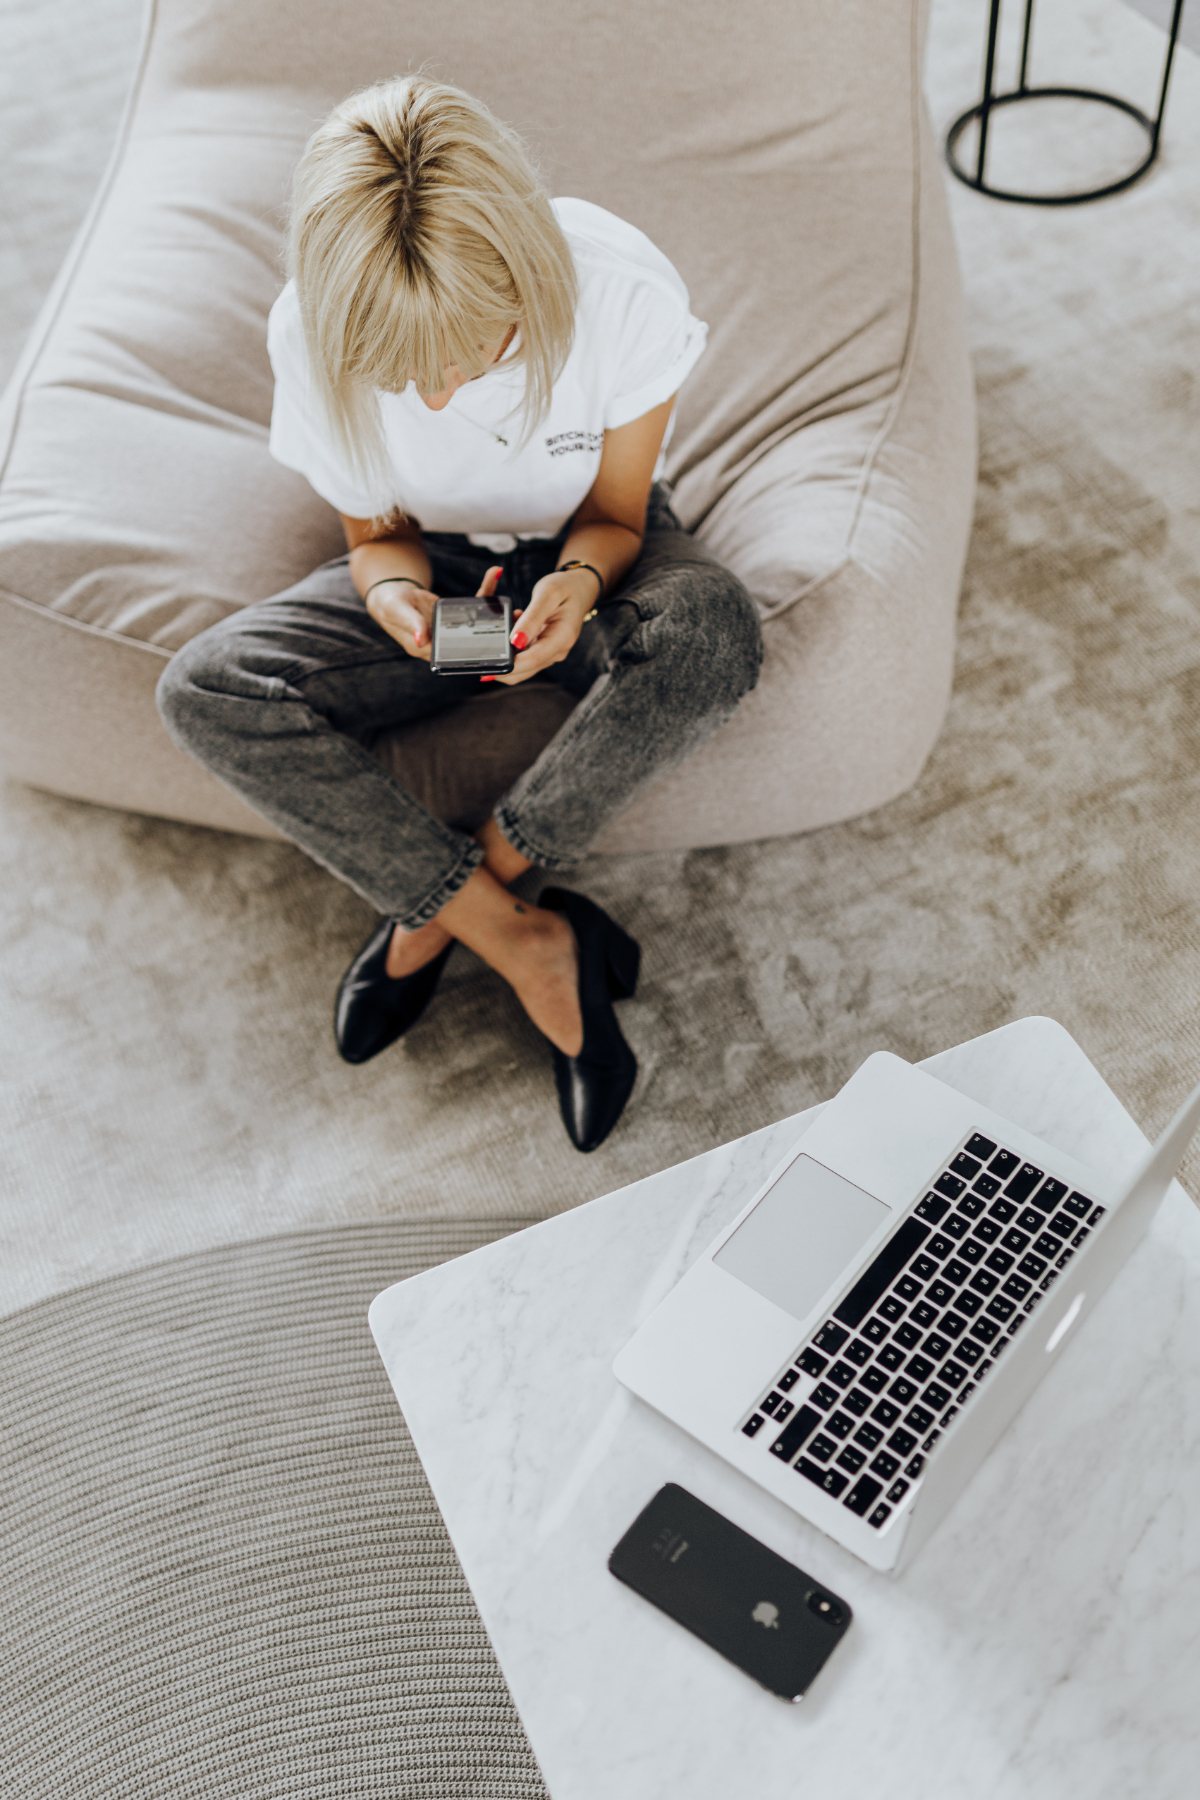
point(1045, 1645)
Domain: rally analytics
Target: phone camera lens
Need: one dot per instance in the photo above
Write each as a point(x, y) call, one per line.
point(825, 1607)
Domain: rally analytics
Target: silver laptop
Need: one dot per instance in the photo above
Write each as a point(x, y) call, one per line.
point(860, 1336)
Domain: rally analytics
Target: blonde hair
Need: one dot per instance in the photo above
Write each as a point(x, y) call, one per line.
point(421, 234)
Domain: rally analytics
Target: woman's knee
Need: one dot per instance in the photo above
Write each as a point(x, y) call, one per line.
point(714, 636)
point(202, 676)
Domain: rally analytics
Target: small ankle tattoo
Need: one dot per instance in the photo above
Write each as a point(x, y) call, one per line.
point(517, 905)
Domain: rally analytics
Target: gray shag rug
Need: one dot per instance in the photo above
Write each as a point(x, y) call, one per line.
point(223, 1571)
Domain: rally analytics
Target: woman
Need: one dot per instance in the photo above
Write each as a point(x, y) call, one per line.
point(481, 382)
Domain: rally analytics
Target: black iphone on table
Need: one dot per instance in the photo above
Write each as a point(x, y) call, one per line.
point(472, 636)
point(761, 1612)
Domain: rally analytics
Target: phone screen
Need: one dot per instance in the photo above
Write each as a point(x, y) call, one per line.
point(472, 634)
point(761, 1612)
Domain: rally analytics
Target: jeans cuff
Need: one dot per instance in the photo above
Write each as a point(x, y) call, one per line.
point(543, 859)
point(445, 890)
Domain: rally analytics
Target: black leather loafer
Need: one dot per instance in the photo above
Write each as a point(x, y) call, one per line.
point(594, 1086)
point(372, 1010)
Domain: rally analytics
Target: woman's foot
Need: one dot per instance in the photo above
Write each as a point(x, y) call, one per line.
point(411, 950)
point(533, 949)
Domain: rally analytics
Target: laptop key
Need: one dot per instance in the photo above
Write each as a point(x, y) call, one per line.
point(885, 1412)
point(875, 1379)
point(869, 1435)
point(1000, 1260)
point(1029, 1220)
point(891, 1357)
point(913, 1469)
point(1079, 1206)
point(822, 1447)
point(885, 1464)
point(831, 1480)
point(788, 1380)
point(933, 1208)
point(1031, 1265)
point(897, 1491)
point(941, 1293)
point(918, 1369)
point(924, 1314)
point(812, 1362)
point(930, 1441)
point(1049, 1195)
point(1003, 1163)
point(880, 1516)
point(1004, 1210)
point(966, 1166)
point(935, 1395)
point(1080, 1237)
point(936, 1347)
point(985, 1330)
point(1062, 1225)
point(893, 1309)
point(857, 1402)
point(842, 1374)
point(1094, 1217)
point(1015, 1240)
point(796, 1433)
point(956, 1271)
point(924, 1267)
point(952, 1324)
point(876, 1330)
point(1048, 1246)
point(900, 1248)
point(952, 1374)
point(919, 1417)
point(771, 1402)
point(859, 1353)
point(863, 1495)
point(968, 1303)
point(987, 1231)
point(753, 1424)
point(970, 1206)
point(831, 1337)
point(1000, 1308)
point(851, 1459)
point(907, 1335)
point(949, 1185)
point(824, 1396)
point(1064, 1259)
point(902, 1390)
point(939, 1246)
point(987, 1185)
point(902, 1442)
point(1023, 1183)
point(1014, 1324)
point(972, 1252)
point(782, 1410)
point(840, 1423)
point(980, 1146)
point(907, 1287)
point(968, 1352)
point(956, 1226)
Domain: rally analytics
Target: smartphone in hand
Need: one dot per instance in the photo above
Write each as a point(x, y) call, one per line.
point(762, 1613)
point(472, 636)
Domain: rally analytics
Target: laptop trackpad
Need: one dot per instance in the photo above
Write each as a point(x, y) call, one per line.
point(803, 1233)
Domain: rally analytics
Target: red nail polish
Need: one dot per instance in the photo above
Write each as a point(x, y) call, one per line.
point(487, 678)
point(519, 640)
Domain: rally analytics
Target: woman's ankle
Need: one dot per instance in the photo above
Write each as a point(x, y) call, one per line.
point(409, 951)
point(500, 859)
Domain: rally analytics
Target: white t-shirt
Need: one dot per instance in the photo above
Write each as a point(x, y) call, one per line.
point(462, 469)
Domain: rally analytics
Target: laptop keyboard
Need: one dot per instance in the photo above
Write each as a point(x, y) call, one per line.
point(923, 1326)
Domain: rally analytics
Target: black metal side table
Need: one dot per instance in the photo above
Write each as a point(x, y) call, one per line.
point(1022, 92)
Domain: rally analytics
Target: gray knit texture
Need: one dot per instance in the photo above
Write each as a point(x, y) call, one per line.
point(223, 1571)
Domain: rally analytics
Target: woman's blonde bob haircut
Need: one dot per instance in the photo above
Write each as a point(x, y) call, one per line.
point(420, 234)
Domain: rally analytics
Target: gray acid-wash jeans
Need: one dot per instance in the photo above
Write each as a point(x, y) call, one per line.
point(280, 699)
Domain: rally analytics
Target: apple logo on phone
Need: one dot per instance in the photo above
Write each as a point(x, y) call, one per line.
point(766, 1613)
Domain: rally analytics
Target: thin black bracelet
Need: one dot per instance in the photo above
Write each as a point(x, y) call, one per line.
point(563, 567)
point(384, 579)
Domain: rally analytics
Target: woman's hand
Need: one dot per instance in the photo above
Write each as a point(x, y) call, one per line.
point(406, 612)
point(545, 632)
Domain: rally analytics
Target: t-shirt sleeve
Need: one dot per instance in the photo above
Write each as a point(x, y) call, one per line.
point(659, 345)
point(300, 435)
